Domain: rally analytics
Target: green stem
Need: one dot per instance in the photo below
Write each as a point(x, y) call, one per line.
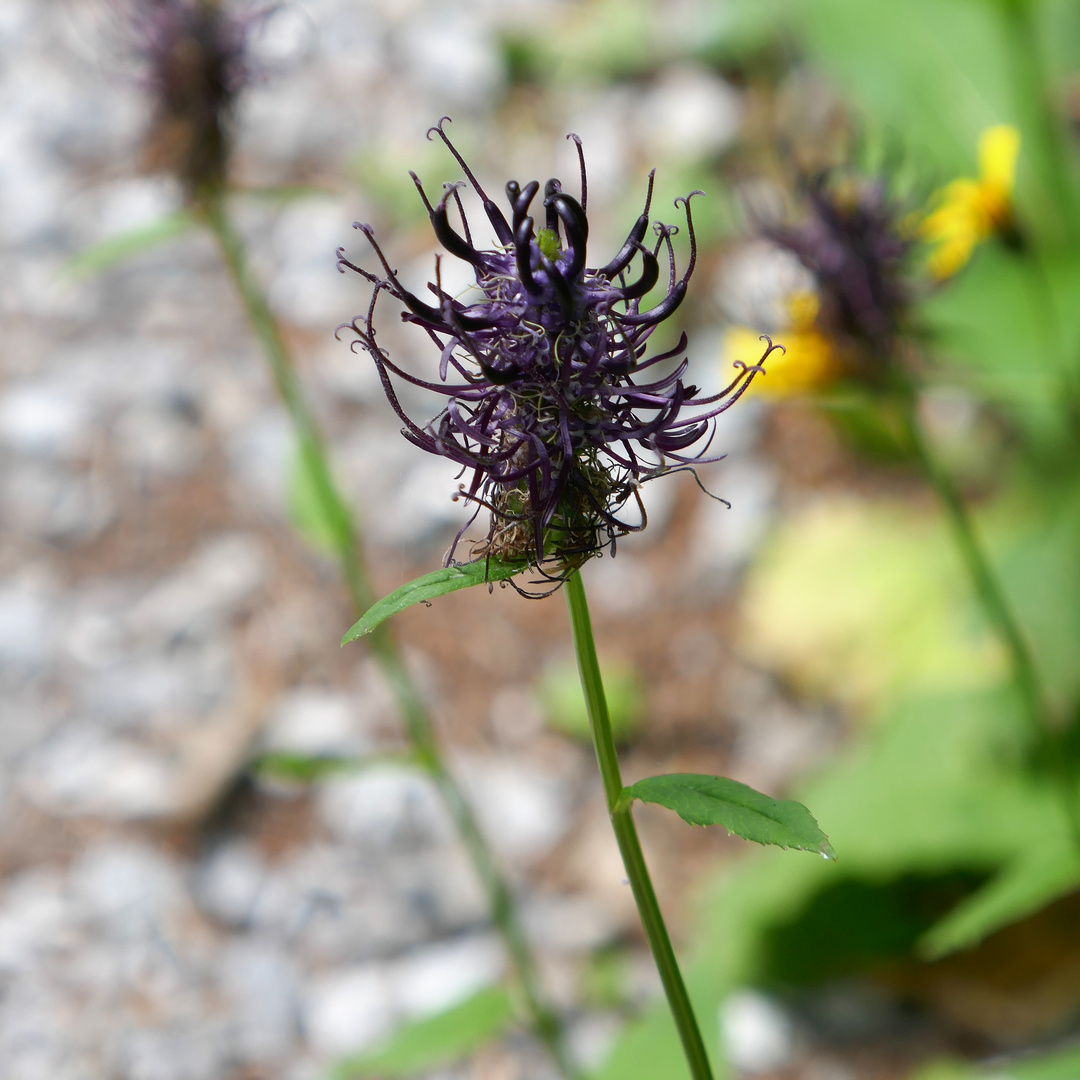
point(622, 822)
point(985, 581)
point(996, 605)
point(1045, 309)
point(417, 721)
point(1041, 127)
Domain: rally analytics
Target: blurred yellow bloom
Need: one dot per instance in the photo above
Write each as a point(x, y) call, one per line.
point(808, 362)
point(968, 211)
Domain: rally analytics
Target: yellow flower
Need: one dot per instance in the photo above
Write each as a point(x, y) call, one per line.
point(808, 362)
point(968, 211)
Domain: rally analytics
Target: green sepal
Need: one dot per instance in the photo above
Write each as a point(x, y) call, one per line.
point(421, 590)
point(714, 800)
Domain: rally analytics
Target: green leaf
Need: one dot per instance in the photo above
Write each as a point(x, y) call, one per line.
point(715, 800)
point(948, 1069)
point(935, 70)
point(863, 600)
point(309, 768)
point(437, 1040)
point(306, 502)
point(1021, 889)
point(301, 768)
point(421, 590)
point(1058, 1065)
point(1040, 570)
point(131, 242)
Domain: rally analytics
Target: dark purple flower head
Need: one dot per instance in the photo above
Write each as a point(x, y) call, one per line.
point(552, 411)
point(853, 242)
point(197, 62)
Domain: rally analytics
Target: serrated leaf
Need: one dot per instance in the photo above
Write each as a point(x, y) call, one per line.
point(437, 1040)
point(421, 590)
point(1020, 890)
point(131, 242)
point(716, 800)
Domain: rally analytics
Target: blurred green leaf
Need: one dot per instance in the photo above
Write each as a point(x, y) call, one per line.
point(934, 70)
point(421, 590)
point(938, 72)
point(1056, 1065)
point(595, 42)
point(715, 800)
point(1012, 334)
point(1040, 567)
point(115, 249)
point(858, 600)
point(1024, 887)
point(307, 510)
point(748, 36)
point(945, 1070)
point(943, 783)
point(563, 702)
point(437, 1040)
point(854, 926)
point(303, 768)
point(605, 978)
point(870, 430)
point(310, 768)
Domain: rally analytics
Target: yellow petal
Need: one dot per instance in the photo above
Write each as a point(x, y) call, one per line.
point(999, 147)
point(807, 364)
point(958, 207)
point(951, 254)
point(963, 217)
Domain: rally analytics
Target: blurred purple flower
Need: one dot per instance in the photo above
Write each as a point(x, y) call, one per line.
point(853, 242)
point(196, 54)
point(553, 410)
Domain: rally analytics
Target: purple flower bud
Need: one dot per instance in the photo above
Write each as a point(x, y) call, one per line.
point(553, 410)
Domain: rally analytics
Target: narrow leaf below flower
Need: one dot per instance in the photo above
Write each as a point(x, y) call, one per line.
point(129, 243)
point(715, 800)
point(438, 583)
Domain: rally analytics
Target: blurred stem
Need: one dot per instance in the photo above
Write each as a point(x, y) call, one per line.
point(996, 605)
point(414, 712)
point(1045, 308)
point(1031, 90)
point(1056, 177)
point(622, 822)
